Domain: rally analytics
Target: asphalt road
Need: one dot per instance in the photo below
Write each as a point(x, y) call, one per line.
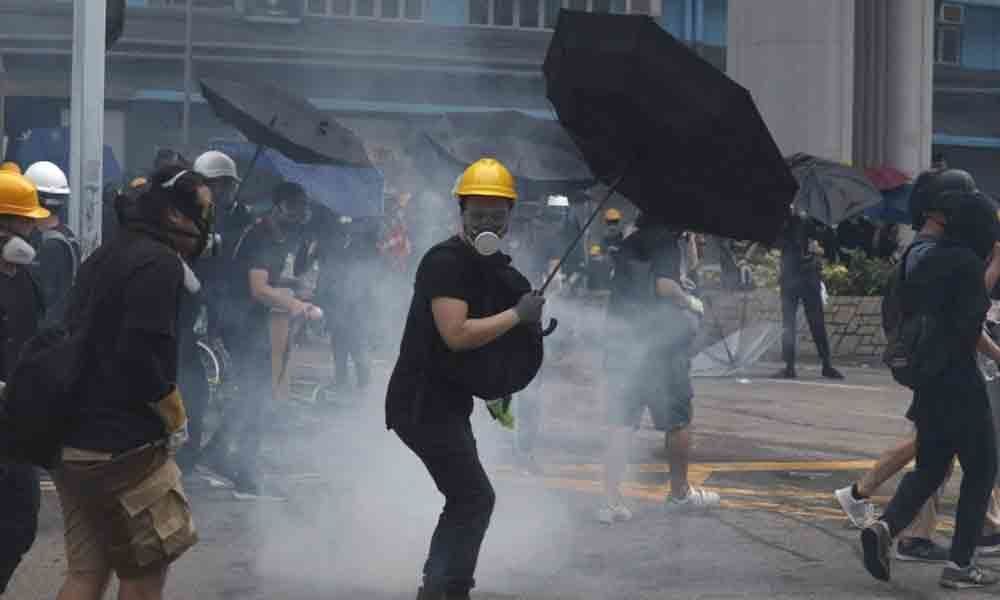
point(360, 509)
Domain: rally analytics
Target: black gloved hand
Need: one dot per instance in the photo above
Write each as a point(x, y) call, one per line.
point(529, 307)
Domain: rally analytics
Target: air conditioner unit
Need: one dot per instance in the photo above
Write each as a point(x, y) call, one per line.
point(952, 14)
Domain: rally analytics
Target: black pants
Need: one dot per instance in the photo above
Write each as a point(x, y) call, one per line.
point(348, 340)
point(807, 292)
point(973, 440)
point(193, 383)
point(20, 500)
point(237, 442)
point(449, 452)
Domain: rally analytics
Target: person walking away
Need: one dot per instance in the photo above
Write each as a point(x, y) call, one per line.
point(123, 504)
point(267, 256)
point(651, 324)
point(801, 283)
point(916, 543)
point(59, 251)
point(943, 287)
point(426, 404)
point(21, 310)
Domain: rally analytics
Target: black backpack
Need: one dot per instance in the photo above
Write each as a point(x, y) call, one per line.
point(38, 407)
point(910, 352)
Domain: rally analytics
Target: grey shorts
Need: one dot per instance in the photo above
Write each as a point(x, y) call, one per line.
point(663, 385)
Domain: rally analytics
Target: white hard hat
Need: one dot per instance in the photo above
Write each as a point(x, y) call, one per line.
point(214, 164)
point(559, 201)
point(49, 179)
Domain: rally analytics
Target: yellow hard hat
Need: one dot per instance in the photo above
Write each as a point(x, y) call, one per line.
point(11, 167)
point(486, 177)
point(612, 214)
point(595, 250)
point(18, 197)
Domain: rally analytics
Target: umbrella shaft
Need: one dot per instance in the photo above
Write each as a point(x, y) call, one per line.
point(583, 230)
point(246, 176)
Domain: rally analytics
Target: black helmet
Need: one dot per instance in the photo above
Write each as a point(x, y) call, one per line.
point(931, 190)
point(972, 221)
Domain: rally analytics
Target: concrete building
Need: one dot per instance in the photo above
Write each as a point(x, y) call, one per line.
point(847, 79)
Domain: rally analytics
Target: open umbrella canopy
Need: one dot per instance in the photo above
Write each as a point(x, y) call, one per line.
point(687, 142)
point(535, 150)
point(273, 118)
point(348, 191)
point(831, 192)
point(886, 178)
point(895, 206)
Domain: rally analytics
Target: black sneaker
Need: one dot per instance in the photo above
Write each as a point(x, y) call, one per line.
point(921, 550)
point(830, 373)
point(959, 578)
point(876, 541)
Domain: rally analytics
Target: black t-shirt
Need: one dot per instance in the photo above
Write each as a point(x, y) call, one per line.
point(20, 311)
point(421, 389)
point(265, 247)
point(797, 260)
point(134, 332)
point(647, 255)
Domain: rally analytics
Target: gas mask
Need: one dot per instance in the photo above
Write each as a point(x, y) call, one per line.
point(224, 192)
point(484, 227)
point(16, 250)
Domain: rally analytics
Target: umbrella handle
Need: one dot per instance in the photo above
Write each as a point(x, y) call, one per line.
point(246, 176)
point(579, 235)
point(553, 323)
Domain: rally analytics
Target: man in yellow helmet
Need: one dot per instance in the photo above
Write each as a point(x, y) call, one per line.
point(22, 307)
point(456, 311)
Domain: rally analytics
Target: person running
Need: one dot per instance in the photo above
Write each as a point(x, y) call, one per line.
point(21, 307)
point(916, 543)
point(943, 285)
point(652, 322)
point(453, 313)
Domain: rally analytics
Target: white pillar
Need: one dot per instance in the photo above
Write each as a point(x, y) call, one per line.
point(87, 122)
point(910, 84)
point(797, 59)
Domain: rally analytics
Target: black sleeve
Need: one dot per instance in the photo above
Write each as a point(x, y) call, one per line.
point(440, 276)
point(969, 293)
point(148, 344)
point(55, 275)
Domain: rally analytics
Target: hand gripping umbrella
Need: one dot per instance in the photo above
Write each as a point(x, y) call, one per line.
point(270, 117)
point(668, 130)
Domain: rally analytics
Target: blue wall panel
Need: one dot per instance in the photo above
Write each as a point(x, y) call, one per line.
point(447, 12)
point(979, 38)
point(714, 22)
point(674, 17)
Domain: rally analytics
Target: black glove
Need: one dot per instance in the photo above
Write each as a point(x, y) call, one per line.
point(529, 307)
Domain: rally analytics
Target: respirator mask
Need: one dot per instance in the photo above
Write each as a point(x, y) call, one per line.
point(202, 213)
point(484, 227)
point(16, 250)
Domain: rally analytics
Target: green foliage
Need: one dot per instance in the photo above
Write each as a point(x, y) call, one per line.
point(857, 276)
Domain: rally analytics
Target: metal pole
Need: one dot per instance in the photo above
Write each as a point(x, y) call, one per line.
point(186, 126)
point(87, 123)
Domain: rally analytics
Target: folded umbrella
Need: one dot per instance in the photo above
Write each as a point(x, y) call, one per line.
point(671, 132)
point(273, 118)
point(831, 192)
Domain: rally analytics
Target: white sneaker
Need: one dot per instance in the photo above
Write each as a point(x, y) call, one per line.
point(610, 514)
point(859, 512)
point(696, 499)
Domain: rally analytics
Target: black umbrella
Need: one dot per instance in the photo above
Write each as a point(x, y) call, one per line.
point(537, 151)
point(831, 192)
point(273, 118)
point(665, 128)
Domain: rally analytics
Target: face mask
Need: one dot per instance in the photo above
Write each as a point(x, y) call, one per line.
point(17, 251)
point(484, 227)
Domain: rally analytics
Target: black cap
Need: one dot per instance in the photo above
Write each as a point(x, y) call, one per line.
point(972, 220)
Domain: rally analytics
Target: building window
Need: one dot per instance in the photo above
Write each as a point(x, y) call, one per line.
point(949, 44)
point(412, 10)
point(533, 14)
